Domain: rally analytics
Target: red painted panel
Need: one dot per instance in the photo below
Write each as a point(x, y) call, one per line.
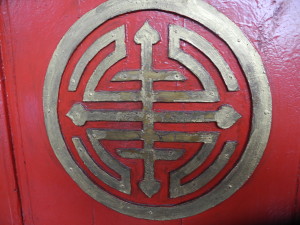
point(49, 196)
point(10, 208)
point(270, 196)
point(160, 22)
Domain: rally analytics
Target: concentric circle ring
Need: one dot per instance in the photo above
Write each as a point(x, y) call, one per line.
point(249, 60)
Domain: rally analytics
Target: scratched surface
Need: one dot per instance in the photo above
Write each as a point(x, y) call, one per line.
point(49, 195)
point(10, 201)
point(176, 83)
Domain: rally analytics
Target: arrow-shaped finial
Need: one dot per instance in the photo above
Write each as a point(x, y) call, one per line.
point(149, 187)
point(226, 116)
point(78, 115)
point(146, 37)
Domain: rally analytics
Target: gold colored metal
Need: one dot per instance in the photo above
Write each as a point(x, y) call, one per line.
point(225, 116)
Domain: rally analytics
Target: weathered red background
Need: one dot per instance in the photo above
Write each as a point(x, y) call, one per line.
point(160, 21)
point(45, 194)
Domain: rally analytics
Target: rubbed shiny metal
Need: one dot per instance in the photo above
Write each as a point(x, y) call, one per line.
point(225, 117)
point(249, 60)
point(178, 33)
point(146, 36)
point(118, 36)
point(149, 185)
point(177, 190)
point(122, 185)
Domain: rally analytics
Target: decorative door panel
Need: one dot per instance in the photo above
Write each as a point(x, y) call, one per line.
point(10, 201)
point(153, 112)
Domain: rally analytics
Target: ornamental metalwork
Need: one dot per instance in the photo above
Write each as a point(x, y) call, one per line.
point(225, 116)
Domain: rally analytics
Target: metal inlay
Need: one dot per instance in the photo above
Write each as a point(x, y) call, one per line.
point(225, 116)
